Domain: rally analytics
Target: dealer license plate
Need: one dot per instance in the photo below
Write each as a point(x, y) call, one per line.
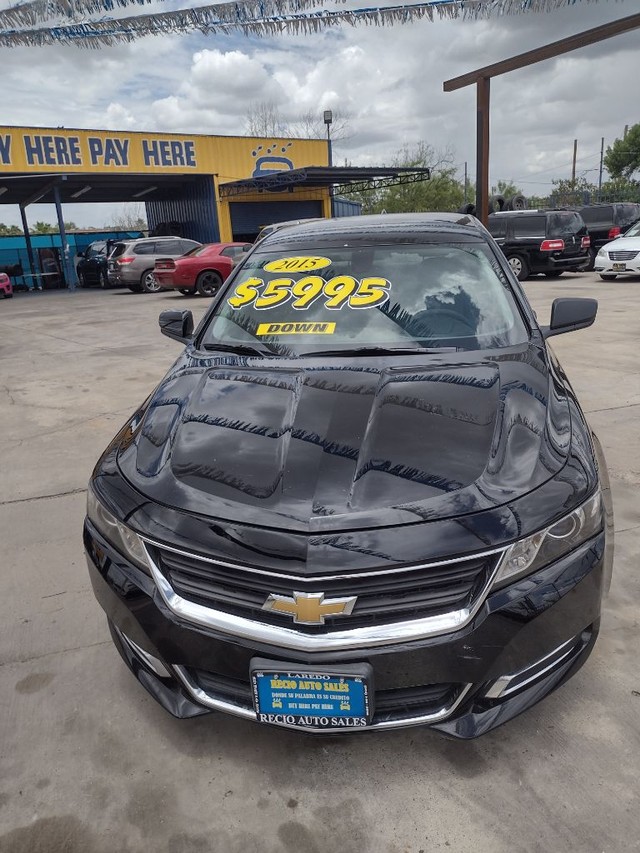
point(327, 698)
point(618, 267)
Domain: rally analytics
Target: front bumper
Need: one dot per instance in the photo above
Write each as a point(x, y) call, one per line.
point(523, 642)
point(608, 267)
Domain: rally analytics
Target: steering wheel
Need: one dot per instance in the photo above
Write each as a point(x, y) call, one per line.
point(450, 314)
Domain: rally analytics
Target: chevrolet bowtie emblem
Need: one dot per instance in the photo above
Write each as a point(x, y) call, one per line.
point(310, 608)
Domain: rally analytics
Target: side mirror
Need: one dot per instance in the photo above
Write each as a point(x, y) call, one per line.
point(80, 253)
point(569, 314)
point(177, 325)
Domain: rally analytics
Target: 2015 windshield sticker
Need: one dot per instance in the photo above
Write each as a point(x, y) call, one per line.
point(338, 291)
point(298, 264)
point(295, 329)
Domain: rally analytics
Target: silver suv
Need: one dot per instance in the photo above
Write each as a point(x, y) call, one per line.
point(131, 262)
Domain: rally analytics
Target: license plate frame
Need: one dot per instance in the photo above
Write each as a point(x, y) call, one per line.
point(619, 267)
point(347, 704)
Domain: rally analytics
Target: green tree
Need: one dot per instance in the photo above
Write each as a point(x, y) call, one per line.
point(43, 228)
point(506, 189)
point(623, 157)
point(568, 193)
point(442, 192)
point(47, 228)
point(10, 230)
point(620, 189)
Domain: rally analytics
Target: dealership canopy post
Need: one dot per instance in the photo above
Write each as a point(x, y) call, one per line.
point(482, 76)
point(66, 261)
point(27, 238)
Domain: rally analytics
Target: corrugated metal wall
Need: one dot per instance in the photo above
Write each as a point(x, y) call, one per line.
point(345, 207)
point(195, 211)
point(248, 217)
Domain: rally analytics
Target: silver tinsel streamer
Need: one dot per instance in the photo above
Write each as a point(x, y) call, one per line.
point(27, 15)
point(264, 18)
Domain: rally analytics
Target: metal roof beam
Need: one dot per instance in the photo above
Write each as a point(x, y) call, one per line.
point(481, 77)
point(547, 51)
point(40, 193)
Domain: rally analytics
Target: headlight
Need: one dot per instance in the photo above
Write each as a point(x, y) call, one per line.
point(527, 555)
point(602, 253)
point(124, 540)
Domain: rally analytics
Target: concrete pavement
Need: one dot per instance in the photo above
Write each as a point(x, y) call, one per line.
point(90, 764)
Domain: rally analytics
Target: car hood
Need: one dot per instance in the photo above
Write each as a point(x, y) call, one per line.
point(624, 244)
point(311, 446)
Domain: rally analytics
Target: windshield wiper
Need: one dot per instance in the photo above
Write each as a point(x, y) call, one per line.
point(239, 349)
point(384, 351)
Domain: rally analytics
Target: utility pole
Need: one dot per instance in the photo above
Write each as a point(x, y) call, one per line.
point(601, 165)
point(573, 168)
point(466, 183)
point(482, 149)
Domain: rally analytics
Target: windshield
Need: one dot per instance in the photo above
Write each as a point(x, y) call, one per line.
point(349, 298)
point(563, 224)
point(634, 231)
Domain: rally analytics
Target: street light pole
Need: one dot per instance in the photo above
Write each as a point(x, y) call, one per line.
point(328, 120)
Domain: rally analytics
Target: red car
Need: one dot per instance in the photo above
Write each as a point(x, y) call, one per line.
point(201, 271)
point(6, 288)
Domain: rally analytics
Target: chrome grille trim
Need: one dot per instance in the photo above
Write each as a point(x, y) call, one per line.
point(432, 564)
point(501, 688)
point(622, 255)
point(248, 713)
point(372, 636)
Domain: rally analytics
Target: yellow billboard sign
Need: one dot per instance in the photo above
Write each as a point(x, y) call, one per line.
point(33, 150)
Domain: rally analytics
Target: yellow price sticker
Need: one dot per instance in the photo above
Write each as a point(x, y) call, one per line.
point(338, 291)
point(297, 264)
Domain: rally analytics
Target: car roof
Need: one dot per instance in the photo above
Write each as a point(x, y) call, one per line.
point(540, 211)
point(153, 239)
point(225, 245)
point(393, 225)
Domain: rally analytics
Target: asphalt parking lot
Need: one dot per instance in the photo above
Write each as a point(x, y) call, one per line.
point(90, 764)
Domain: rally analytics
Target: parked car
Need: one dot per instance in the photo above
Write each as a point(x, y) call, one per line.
point(202, 270)
point(606, 222)
point(541, 241)
point(6, 288)
point(131, 263)
point(92, 264)
point(266, 230)
point(364, 496)
point(621, 256)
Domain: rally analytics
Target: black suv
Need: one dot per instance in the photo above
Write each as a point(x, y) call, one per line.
point(541, 241)
point(92, 264)
point(606, 222)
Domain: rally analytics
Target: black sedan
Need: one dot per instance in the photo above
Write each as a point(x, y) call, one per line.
point(364, 496)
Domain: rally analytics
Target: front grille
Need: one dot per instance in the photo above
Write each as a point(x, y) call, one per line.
point(389, 705)
point(622, 256)
point(383, 597)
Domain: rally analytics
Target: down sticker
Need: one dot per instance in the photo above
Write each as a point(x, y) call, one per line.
point(295, 329)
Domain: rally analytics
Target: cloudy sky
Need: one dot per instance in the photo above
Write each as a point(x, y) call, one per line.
point(388, 79)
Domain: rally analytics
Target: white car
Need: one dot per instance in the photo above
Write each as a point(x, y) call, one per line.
point(621, 256)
